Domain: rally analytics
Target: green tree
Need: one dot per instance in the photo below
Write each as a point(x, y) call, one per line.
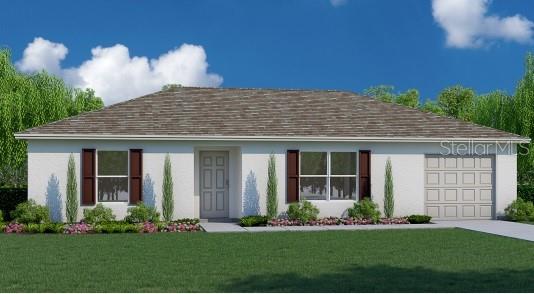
point(524, 124)
point(389, 202)
point(72, 191)
point(272, 189)
point(30, 100)
point(168, 198)
point(457, 102)
point(381, 92)
point(409, 98)
point(431, 106)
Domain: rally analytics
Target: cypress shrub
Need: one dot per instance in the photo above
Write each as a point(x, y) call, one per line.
point(72, 191)
point(168, 200)
point(272, 189)
point(389, 202)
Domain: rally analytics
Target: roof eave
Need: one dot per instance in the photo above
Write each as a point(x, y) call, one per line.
point(23, 136)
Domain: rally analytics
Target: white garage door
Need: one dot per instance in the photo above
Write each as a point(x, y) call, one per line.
point(459, 187)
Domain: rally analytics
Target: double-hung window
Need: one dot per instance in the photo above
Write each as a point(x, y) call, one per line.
point(112, 176)
point(328, 175)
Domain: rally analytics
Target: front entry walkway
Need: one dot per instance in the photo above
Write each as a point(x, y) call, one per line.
point(496, 227)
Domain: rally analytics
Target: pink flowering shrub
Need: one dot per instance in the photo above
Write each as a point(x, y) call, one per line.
point(181, 227)
point(336, 221)
point(149, 227)
point(14, 228)
point(81, 228)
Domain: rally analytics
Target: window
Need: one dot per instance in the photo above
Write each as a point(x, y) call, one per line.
point(112, 176)
point(327, 175)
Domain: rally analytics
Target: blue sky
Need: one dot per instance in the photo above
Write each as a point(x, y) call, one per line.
point(275, 44)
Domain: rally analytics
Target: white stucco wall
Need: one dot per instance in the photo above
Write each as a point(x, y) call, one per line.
point(248, 172)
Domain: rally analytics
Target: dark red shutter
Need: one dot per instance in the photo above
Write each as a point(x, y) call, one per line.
point(293, 188)
point(365, 174)
point(88, 176)
point(136, 176)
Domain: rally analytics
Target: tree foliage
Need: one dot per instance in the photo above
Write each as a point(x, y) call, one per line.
point(389, 202)
point(497, 109)
point(272, 189)
point(29, 100)
point(72, 191)
point(168, 198)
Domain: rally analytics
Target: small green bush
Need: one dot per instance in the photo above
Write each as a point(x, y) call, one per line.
point(142, 213)
point(99, 214)
point(116, 227)
point(419, 219)
point(253, 220)
point(1, 217)
point(49, 228)
point(365, 209)
point(303, 211)
point(30, 212)
point(191, 221)
point(2, 227)
point(520, 210)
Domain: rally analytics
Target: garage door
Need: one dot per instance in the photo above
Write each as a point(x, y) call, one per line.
point(459, 187)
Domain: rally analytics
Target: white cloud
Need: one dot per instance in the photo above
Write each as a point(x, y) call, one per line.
point(467, 24)
point(116, 76)
point(42, 54)
point(337, 3)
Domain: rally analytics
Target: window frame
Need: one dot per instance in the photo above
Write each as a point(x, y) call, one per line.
point(329, 175)
point(98, 176)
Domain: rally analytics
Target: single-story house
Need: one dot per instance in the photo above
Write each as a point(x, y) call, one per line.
point(330, 147)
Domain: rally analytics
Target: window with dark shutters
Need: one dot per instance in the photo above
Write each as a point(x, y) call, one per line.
point(365, 174)
point(136, 176)
point(88, 177)
point(293, 188)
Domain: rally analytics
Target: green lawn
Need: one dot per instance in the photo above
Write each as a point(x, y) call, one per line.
point(358, 261)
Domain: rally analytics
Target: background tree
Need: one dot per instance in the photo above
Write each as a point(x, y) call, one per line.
point(72, 191)
point(457, 102)
point(389, 202)
point(381, 92)
point(272, 189)
point(409, 98)
point(29, 100)
point(168, 198)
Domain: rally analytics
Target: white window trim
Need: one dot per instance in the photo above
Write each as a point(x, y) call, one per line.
point(329, 175)
point(97, 200)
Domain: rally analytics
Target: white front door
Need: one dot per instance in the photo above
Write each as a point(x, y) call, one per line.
point(213, 184)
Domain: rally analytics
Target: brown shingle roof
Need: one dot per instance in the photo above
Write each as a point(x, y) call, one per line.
point(263, 112)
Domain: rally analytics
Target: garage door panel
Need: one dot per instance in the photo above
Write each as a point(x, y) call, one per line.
point(459, 187)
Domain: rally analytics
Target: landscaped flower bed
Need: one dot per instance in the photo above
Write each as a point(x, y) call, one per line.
point(336, 221)
point(108, 227)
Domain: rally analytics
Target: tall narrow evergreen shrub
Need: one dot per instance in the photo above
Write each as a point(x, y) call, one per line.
point(168, 199)
point(72, 191)
point(389, 202)
point(272, 189)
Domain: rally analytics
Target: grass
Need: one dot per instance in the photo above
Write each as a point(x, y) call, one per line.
point(438, 260)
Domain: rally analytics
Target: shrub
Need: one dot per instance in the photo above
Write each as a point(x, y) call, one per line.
point(1, 217)
point(526, 192)
point(80, 228)
point(253, 220)
point(168, 199)
point(14, 228)
point(72, 191)
point(10, 198)
point(303, 211)
point(272, 189)
point(30, 212)
point(99, 214)
point(365, 209)
point(149, 228)
point(49, 228)
point(142, 213)
point(116, 227)
point(520, 210)
point(2, 227)
point(189, 221)
point(389, 202)
point(419, 219)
